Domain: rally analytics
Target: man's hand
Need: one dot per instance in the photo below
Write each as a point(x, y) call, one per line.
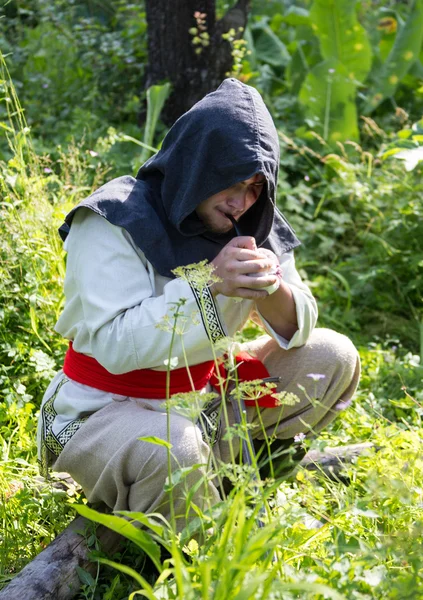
point(239, 258)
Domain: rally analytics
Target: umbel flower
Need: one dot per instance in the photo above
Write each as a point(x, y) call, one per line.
point(200, 275)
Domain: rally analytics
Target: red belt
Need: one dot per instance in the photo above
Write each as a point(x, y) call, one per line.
point(148, 383)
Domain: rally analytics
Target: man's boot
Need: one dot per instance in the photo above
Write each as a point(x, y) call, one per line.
point(282, 455)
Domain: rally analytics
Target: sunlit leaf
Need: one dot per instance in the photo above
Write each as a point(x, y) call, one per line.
point(269, 48)
point(152, 439)
point(341, 36)
point(156, 97)
point(296, 15)
point(328, 99)
point(142, 539)
point(404, 53)
point(410, 157)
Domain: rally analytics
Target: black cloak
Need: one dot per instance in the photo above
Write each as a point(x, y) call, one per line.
point(225, 138)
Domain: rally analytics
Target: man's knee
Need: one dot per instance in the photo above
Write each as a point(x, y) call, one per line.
point(188, 447)
point(335, 357)
point(330, 348)
point(184, 449)
point(325, 353)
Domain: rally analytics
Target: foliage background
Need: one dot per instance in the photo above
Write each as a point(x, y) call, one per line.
point(67, 122)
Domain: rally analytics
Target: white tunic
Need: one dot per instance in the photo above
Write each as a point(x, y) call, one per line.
point(115, 301)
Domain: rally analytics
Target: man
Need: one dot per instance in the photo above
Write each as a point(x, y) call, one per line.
point(217, 170)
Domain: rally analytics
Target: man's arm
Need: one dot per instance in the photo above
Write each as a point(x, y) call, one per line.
point(279, 311)
point(290, 313)
point(112, 310)
point(292, 328)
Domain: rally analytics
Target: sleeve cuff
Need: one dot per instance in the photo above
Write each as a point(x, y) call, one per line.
point(306, 318)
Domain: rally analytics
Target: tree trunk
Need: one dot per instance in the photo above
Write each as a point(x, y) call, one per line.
point(175, 53)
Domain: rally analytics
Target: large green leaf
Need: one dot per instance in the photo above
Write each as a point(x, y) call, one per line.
point(403, 55)
point(305, 54)
point(142, 539)
point(156, 97)
point(297, 70)
point(328, 98)
point(252, 59)
point(296, 15)
point(341, 36)
point(268, 47)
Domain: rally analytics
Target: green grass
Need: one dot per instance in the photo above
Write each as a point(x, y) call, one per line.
point(330, 540)
point(321, 538)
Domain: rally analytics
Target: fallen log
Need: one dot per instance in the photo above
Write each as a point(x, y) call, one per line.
point(52, 575)
point(333, 459)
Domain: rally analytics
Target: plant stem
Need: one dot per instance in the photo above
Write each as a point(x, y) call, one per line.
point(421, 342)
point(327, 110)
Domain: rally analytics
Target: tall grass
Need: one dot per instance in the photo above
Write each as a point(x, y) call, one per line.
point(310, 537)
point(34, 197)
point(321, 539)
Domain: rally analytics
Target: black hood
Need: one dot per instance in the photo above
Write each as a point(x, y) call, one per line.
point(227, 137)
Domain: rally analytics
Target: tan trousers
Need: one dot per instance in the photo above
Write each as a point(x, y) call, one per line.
point(114, 467)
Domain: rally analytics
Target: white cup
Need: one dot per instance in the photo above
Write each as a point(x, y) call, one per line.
point(274, 270)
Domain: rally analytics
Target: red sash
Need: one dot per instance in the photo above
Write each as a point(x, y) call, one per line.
point(151, 384)
point(248, 368)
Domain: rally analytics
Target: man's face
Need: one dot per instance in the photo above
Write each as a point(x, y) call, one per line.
point(234, 201)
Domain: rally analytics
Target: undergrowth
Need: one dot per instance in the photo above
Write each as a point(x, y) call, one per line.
point(360, 221)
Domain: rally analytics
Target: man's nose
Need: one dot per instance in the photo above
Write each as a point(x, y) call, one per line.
point(237, 200)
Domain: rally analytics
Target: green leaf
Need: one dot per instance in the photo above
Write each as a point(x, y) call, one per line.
point(123, 527)
point(179, 474)
point(268, 47)
point(404, 134)
point(156, 97)
point(7, 128)
point(341, 36)
point(345, 283)
point(122, 137)
point(297, 70)
point(295, 15)
point(152, 439)
point(403, 55)
point(411, 157)
point(328, 98)
point(391, 152)
point(148, 590)
point(416, 69)
point(143, 519)
point(248, 37)
point(84, 577)
point(314, 588)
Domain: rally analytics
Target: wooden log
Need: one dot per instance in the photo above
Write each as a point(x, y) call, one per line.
point(333, 460)
point(52, 575)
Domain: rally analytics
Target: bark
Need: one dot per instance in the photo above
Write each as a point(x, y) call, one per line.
point(333, 460)
point(52, 574)
point(172, 54)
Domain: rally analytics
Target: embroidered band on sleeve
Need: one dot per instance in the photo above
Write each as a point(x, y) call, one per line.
point(208, 311)
point(53, 441)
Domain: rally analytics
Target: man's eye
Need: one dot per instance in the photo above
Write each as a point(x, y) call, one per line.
point(254, 183)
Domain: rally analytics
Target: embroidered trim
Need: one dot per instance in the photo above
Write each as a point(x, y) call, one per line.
point(53, 444)
point(210, 422)
point(208, 311)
